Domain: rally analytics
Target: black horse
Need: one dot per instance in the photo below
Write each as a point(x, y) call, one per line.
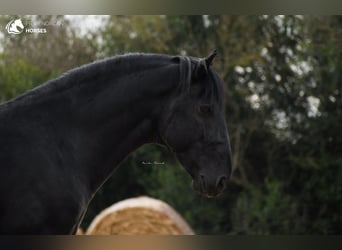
point(62, 140)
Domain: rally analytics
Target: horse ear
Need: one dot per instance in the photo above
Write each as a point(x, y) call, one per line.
point(203, 65)
point(209, 59)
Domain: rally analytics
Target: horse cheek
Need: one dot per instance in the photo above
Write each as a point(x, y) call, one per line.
point(180, 135)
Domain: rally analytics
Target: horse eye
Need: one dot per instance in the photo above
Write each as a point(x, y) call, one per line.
point(205, 109)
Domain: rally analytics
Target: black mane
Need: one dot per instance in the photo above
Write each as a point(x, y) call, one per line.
point(121, 65)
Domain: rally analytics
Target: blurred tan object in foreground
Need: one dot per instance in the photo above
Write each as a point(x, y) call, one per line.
point(137, 216)
point(79, 231)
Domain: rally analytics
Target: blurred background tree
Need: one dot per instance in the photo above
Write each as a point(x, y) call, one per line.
point(283, 108)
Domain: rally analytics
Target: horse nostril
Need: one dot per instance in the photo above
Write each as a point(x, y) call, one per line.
point(221, 182)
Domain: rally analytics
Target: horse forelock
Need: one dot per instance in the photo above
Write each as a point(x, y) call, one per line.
point(212, 90)
point(185, 74)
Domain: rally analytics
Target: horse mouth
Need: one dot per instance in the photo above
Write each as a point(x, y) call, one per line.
point(199, 188)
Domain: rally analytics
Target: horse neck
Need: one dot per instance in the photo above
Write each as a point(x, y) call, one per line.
point(121, 115)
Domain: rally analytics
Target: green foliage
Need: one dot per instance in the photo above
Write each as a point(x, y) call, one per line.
point(17, 77)
point(265, 210)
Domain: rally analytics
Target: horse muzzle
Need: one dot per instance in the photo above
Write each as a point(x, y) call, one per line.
point(210, 187)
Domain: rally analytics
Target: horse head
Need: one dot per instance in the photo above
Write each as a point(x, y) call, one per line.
point(194, 126)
